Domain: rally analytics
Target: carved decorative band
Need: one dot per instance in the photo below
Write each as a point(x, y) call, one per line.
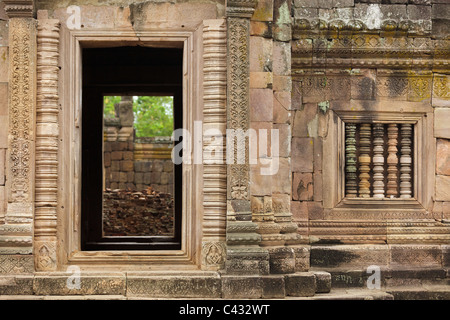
point(47, 135)
point(19, 8)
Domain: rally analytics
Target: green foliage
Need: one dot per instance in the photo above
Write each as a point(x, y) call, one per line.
point(153, 115)
point(108, 106)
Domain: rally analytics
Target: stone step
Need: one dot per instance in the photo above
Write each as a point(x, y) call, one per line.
point(424, 292)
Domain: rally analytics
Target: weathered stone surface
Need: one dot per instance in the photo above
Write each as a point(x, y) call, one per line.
point(188, 286)
point(281, 58)
point(16, 264)
point(66, 284)
point(315, 210)
point(284, 132)
point(323, 281)
point(261, 105)
point(441, 121)
point(263, 11)
point(440, 28)
point(299, 210)
point(302, 258)
point(260, 54)
point(443, 157)
point(281, 181)
point(302, 186)
point(4, 64)
point(281, 107)
point(282, 260)
point(306, 121)
point(302, 154)
point(420, 256)
point(261, 80)
point(442, 188)
point(349, 256)
point(301, 284)
point(440, 11)
point(273, 287)
point(238, 287)
point(16, 285)
point(261, 29)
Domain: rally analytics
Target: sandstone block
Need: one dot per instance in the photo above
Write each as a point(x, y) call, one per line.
point(282, 83)
point(107, 159)
point(302, 154)
point(281, 107)
point(260, 54)
point(302, 186)
point(302, 284)
point(89, 284)
point(440, 28)
point(441, 123)
point(284, 134)
point(157, 166)
point(261, 105)
point(16, 285)
point(116, 155)
point(443, 157)
point(417, 12)
point(299, 210)
point(281, 260)
point(2, 166)
point(349, 256)
point(261, 29)
point(415, 256)
point(115, 165)
point(188, 286)
point(260, 185)
point(306, 121)
point(281, 181)
point(317, 180)
point(3, 98)
point(126, 165)
point(281, 58)
point(3, 131)
point(302, 258)
point(442, 188)
point(440, 11)
point(315, 210)
point(273, 287)
point(261, 80)
point(263, 11)
point(323, 281)
point(4, 61)
point(248, 287)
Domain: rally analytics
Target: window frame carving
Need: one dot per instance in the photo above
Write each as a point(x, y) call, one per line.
point(336, 205)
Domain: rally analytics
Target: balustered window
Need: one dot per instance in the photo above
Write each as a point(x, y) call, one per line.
point(379, 160)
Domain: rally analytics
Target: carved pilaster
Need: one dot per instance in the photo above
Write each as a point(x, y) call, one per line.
point(241, 231)
point(214, 167)
point(47, 133)
point(16, 233)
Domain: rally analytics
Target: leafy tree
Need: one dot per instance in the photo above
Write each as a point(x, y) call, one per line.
point(153, 115)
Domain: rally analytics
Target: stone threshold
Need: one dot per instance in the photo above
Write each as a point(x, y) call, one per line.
point(155, 285)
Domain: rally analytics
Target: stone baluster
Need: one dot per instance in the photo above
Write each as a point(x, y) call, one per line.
point(405, 161)
point(364, 160)
point(378, 161)
point(351, 185)
point(392, 161)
